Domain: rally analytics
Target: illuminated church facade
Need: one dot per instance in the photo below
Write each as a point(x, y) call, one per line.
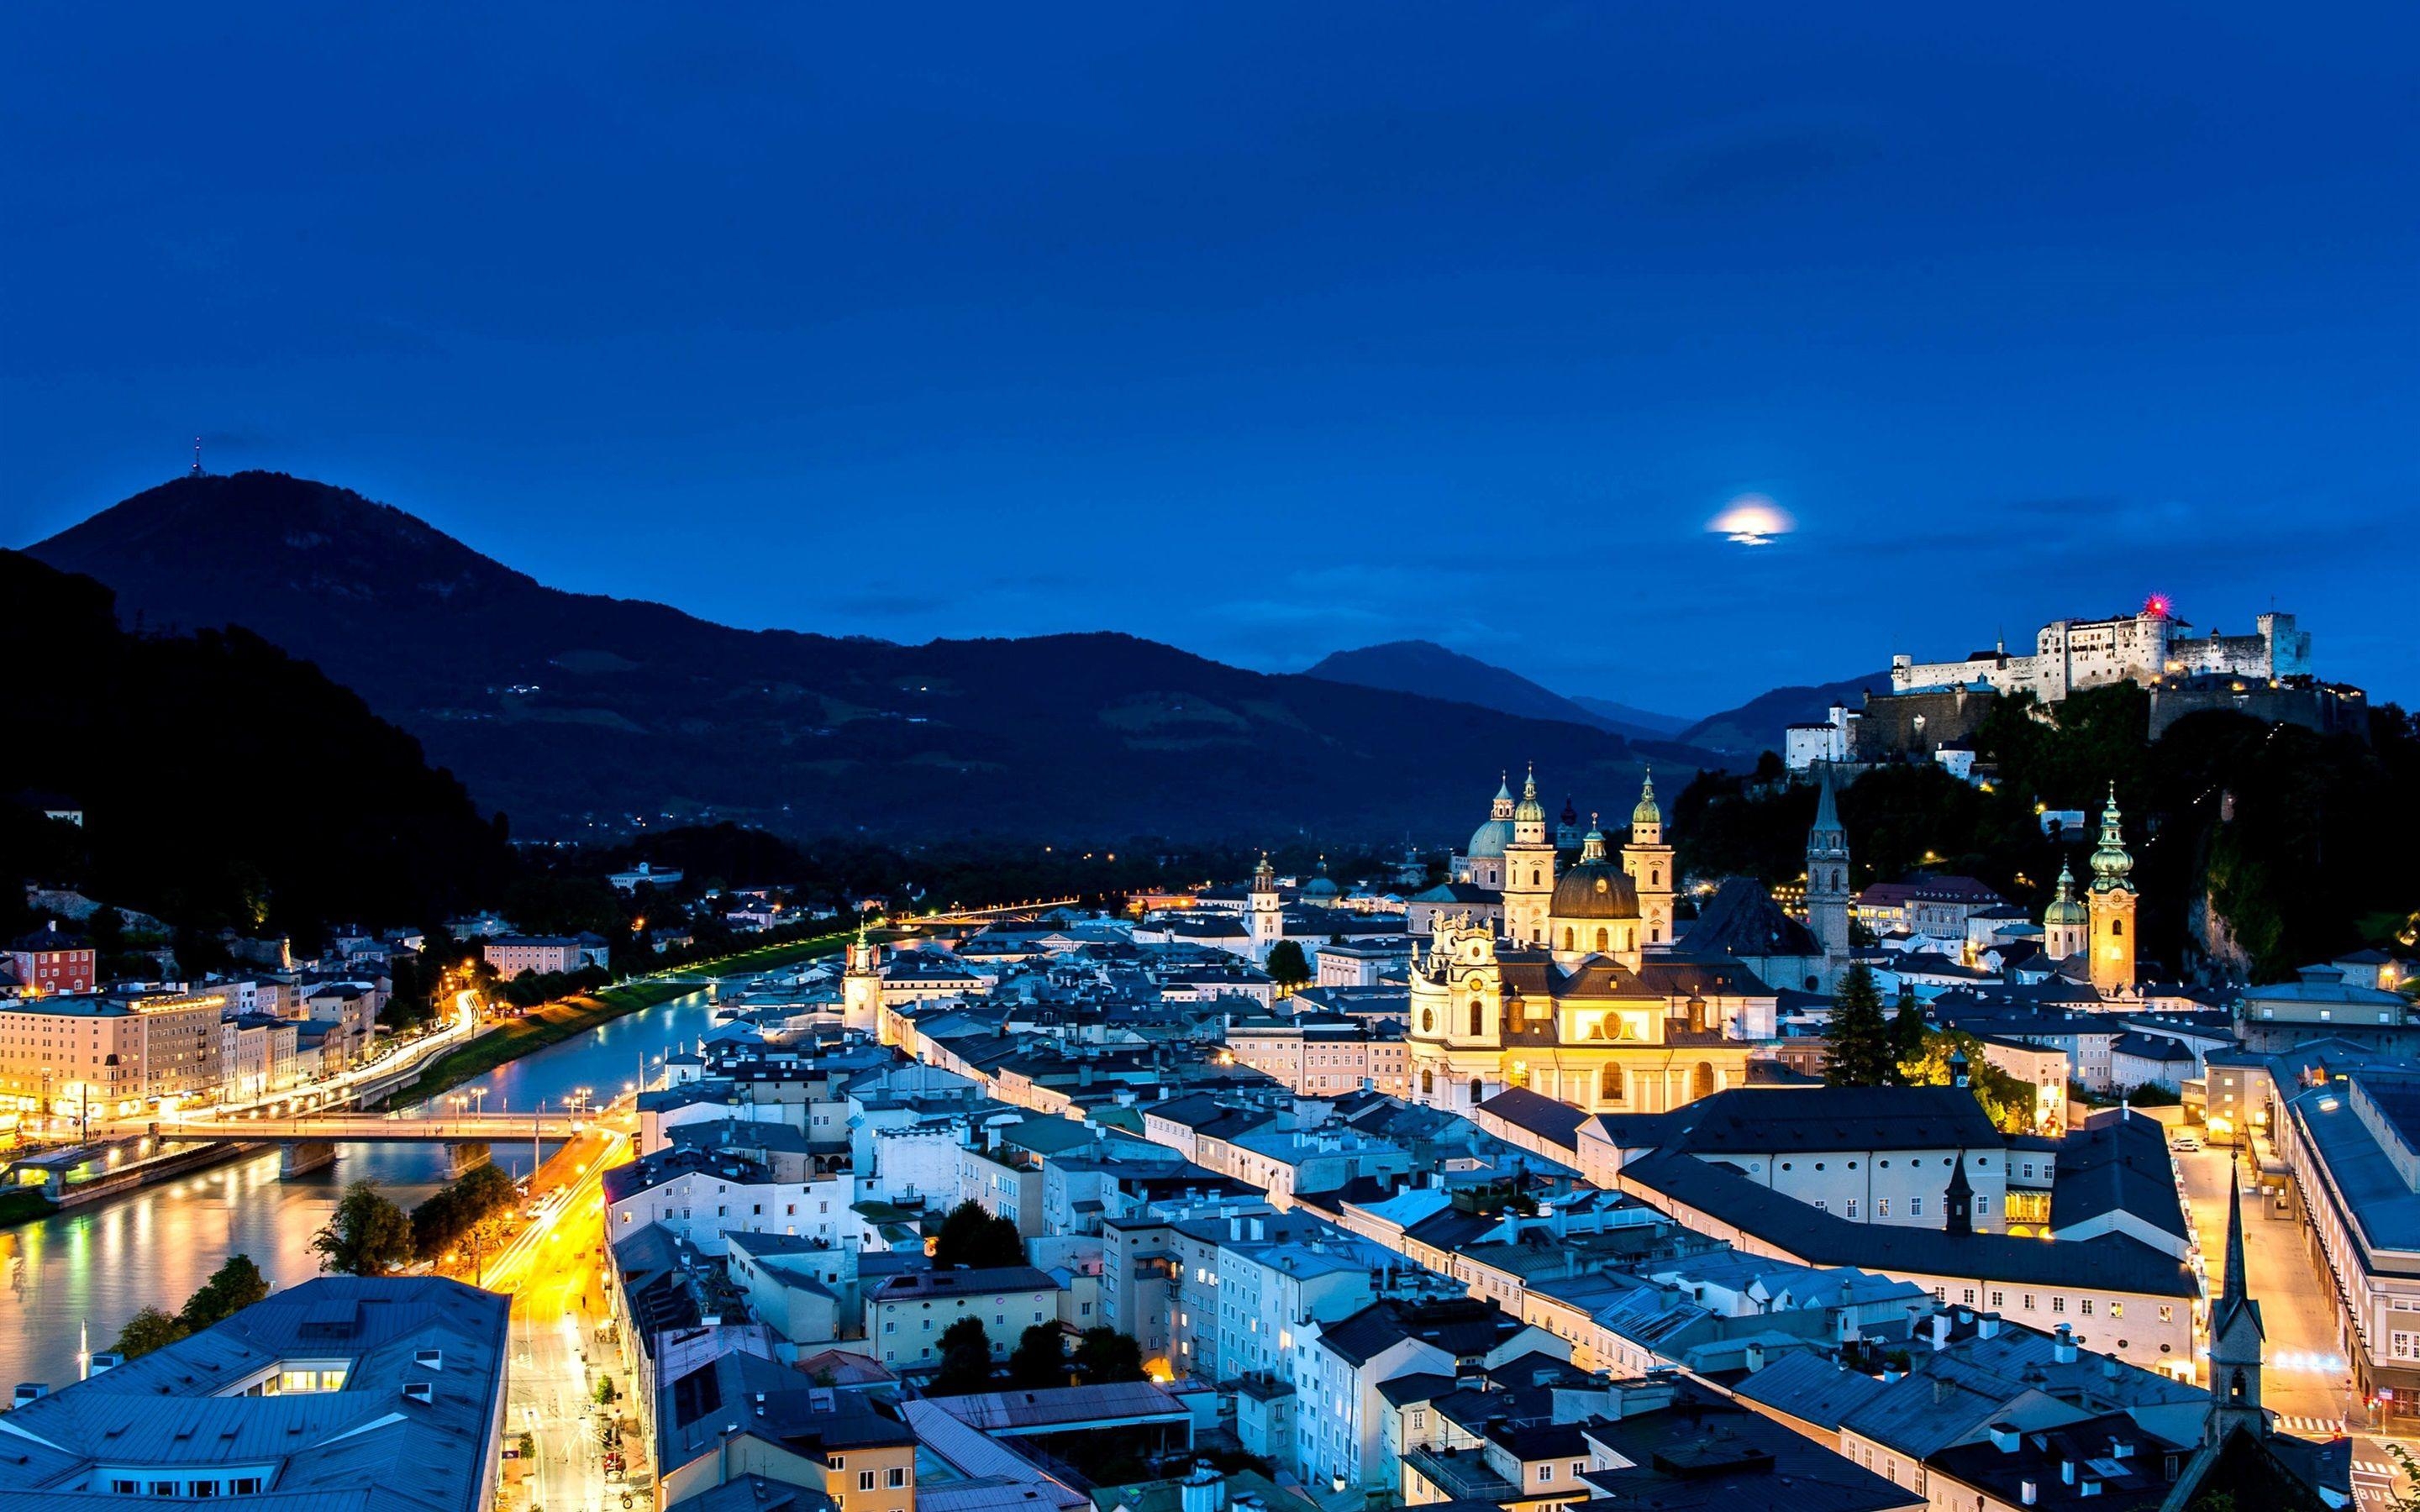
point(1582, 996)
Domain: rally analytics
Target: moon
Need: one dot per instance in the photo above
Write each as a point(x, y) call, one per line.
point(1752, 520)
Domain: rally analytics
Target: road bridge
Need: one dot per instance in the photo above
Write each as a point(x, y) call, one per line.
point(1001, 915)
point(376, 1129)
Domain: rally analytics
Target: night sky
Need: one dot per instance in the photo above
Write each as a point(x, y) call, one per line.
point(1265, 331)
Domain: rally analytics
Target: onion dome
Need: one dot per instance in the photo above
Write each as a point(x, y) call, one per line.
point(1647, 813)
point(1530, 811)
point(2111, 861)
point(2066, 908)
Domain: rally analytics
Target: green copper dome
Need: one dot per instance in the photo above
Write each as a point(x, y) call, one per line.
point(2066, 908)
point(1530, 811)
point(1647, 813)
point(2111, 861)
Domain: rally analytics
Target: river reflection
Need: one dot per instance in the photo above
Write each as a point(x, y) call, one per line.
point(98, 1265)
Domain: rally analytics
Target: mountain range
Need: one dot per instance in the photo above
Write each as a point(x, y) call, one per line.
point(572, 712)
point(1426, 668)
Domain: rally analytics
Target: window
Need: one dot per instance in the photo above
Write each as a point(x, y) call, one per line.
point(1853, 1205)
point(1881, 1207)
point(1915, 1206)
point(2085, 1307)
point(896, 1477)
point(2401, 1345)
point(1546, 1473)
point(1579, 1467)
point(1420, 1421)
point(1999, 1299)
point(1982, 1204)
point(2116, 1309)
point(2029, 1301)
point(865, 1480)
point(2167, 1314)
point(2058, 1304)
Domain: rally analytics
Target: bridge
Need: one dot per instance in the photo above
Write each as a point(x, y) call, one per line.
point(337, 1128)
point(1006, 911)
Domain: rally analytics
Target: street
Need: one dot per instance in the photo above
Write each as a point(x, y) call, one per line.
point(2306, 1378)
point(556, 1279)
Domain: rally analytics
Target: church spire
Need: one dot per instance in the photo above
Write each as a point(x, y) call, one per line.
point(2235, 1337)
point(2233, 1293)
point(1828, 813)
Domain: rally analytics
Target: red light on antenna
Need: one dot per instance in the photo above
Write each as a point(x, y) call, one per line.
point(2158, 607)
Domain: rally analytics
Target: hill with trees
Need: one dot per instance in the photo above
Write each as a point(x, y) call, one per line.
point(2257, 847)
point(221, 782)
point(576, 711)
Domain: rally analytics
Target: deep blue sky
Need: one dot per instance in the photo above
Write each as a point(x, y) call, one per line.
point(1263, 330)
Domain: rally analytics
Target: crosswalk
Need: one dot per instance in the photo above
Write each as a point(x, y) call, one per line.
point(2383, 1469)
point(2313, 1428)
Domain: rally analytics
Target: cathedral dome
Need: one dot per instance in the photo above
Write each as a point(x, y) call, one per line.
point(1595, 890)
point(1321, 886)
point(1490, 838)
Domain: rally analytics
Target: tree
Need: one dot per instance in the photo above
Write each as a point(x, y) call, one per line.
point(148, 1329)
point(1040, 1358)
point(367, 1235)
point(231, 1289)
point(2007, 1101)
point(966, 1359)
point(1107, 1356)
point(971, 1237)
point(1286, 966)
point(1907, 1028)
point(1859, 1040)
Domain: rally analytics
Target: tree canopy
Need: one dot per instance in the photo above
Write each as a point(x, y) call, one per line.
point(972, 1236)
point(966, 1359)
point(1287, 967)
point(1040, 1358)
point(1860, 1038)
point(366, 1234)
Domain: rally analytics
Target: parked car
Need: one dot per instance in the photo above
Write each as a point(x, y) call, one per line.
point(2185, 1143)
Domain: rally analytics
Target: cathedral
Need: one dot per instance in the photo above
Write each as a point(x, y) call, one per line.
point(1582, 993)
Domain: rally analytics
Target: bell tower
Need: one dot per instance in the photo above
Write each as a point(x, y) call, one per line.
point(1649, 861)
point(1827, 880)
point(1529, 871)
point(1267, 918)
point(860, 984)
point(2112, 905)
point(2066, 921)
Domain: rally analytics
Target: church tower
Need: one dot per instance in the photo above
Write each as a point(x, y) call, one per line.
point(1827, 881)
point(860, 985)
point(1649, 861)
point(1266, 917)
point(2235, 1337)
point(2066, 922)
point(1528, 869)
point(2112, 905)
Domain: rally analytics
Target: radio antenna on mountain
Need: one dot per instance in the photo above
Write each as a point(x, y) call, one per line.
point(197, 456)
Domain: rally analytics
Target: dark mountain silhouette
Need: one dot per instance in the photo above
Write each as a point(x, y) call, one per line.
point(1425, 668)
point(221, 782)
point(566, 709)
point(1625, 717)
point(1756, 725)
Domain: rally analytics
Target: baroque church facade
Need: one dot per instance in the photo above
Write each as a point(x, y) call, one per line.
point(1582, 991)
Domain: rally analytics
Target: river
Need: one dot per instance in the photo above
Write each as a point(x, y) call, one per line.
point(98, 1265)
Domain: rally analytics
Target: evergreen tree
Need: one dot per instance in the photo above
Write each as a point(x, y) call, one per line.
point(1907, 1028)
point(965, 1360)
point(231, 1289)
point(1859, 1038)
point(1040, 1358)
point(1286, 966)
point(366, 1234)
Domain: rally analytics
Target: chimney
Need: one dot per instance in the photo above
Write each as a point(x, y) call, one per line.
point(2062, 1349)
point(2003, 1437)
point(2028, 1491)
point(1987, 1325)
point(1891, 1376)
point(1940, 1331)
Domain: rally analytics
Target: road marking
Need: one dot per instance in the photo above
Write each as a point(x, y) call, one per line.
point(2374, 1467)
point(2332, 1426)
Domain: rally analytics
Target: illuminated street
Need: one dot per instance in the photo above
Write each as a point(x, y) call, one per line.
point(554, 1270)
